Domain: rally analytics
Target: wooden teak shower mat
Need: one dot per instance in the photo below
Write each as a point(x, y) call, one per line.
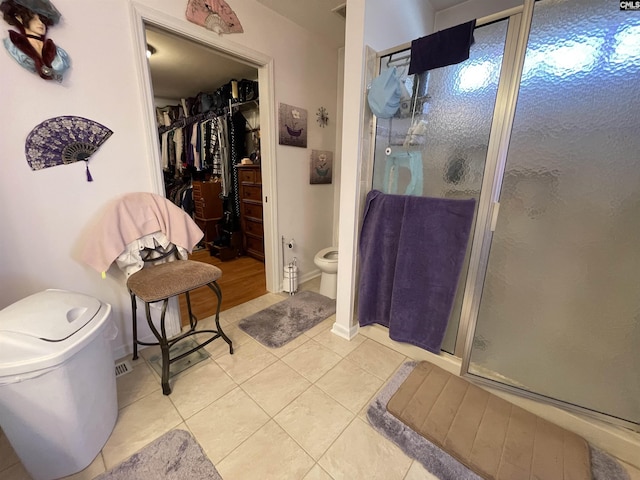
point(489, 435)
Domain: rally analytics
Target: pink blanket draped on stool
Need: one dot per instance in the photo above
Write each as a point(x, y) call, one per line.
point(411, 255)
point(132, 216)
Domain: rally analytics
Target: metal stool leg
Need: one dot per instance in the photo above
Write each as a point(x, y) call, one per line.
point(134, 310)
point(164, 344)
point(216, 289)
point(192, 318)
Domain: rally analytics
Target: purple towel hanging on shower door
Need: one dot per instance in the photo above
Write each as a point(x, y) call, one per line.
point(412, 250)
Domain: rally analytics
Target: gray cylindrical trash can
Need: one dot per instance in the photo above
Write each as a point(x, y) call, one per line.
point(58, 401)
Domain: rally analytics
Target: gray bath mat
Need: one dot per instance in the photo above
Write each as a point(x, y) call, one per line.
point(280, 323)
point(438, 462)
point(174, 456)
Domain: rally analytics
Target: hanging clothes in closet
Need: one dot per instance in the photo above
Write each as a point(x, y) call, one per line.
point(204, 143)
point(238, 150)
point(194, 142)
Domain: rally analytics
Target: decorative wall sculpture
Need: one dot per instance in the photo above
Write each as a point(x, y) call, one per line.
point(64, 140)
point(29, 45)
point(215, 15)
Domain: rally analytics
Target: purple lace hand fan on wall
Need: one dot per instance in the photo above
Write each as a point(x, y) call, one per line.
point(63, 140)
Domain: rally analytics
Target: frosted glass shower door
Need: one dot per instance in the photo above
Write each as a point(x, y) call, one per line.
point(559, 314)
point(451, 110)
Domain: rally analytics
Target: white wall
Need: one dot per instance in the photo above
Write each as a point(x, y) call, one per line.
point(44, 214)
point(389, 24)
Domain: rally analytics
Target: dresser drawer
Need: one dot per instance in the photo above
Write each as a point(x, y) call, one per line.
point(198, 210)
point(207, 203)
point(251, 192)
point(252, 210)
point(208, 210)
point(253, 227)
point(246, 176)
point(255, 245)
point(249, 174)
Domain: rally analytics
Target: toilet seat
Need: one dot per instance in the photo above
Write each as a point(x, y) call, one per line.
point(329, 254)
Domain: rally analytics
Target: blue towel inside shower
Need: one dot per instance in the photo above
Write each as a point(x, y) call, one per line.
point(412, 160)
point(411, 255)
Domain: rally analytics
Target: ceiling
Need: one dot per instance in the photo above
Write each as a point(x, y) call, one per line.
point(183, 68)
point(317, 16)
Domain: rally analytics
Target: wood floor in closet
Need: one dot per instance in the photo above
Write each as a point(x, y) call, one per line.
point(243, 279)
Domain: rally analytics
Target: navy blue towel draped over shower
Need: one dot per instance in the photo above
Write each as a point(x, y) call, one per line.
point(411, 255)
point(446, 47)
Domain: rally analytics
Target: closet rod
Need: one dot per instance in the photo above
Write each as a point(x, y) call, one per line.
point(239, 104)
point(186, 121)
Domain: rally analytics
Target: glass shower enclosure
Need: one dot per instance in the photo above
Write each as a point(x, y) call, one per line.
point(541, 127)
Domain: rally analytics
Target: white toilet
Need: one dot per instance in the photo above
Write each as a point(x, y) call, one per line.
point(327, 261)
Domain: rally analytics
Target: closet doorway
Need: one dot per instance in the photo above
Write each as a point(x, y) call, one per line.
point(186, 79)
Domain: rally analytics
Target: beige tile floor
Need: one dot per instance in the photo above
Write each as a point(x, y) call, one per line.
point(297, 412)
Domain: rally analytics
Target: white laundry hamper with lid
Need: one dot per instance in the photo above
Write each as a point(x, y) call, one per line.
point(58, 399)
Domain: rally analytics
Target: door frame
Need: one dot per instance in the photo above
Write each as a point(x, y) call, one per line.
point(142, 15)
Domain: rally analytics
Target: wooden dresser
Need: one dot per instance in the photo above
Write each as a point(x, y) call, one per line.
point(250, 191)
point(207, 205)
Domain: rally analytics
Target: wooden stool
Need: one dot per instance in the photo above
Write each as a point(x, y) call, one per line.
point(158, 283)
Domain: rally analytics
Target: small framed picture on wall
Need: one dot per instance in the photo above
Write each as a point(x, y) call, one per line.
point(292, 126)
point(321, 167)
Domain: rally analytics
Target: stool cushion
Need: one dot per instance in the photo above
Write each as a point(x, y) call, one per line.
point(157, 282)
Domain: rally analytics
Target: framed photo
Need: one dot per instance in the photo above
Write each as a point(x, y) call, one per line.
point(292, 126)
point(321, 167)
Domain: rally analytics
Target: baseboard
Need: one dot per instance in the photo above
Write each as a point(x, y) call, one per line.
point(123, 351)
point(309, 276)
point(346, 333)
